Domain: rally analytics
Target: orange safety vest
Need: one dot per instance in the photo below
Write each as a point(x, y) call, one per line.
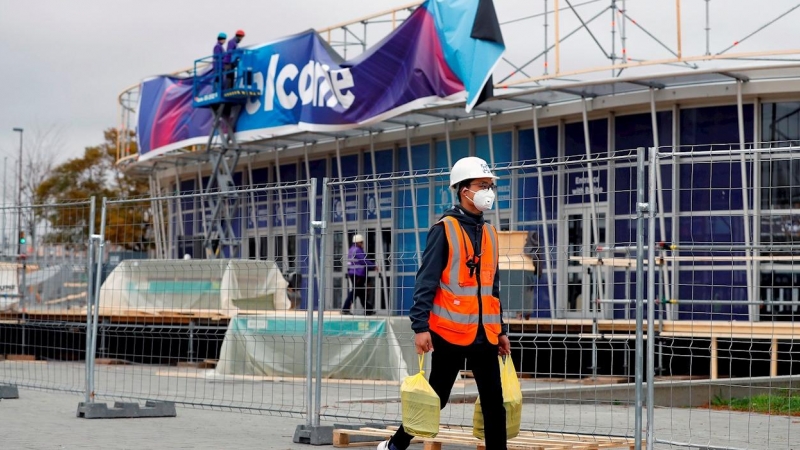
point(458, 304)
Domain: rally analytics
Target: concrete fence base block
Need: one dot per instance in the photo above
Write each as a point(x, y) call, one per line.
point(313, 435)
point(122, 410)
point(8, 392)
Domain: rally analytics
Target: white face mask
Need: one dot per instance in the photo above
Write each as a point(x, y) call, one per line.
point(483, 199)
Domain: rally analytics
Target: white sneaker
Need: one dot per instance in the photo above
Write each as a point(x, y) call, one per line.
point(383, 445)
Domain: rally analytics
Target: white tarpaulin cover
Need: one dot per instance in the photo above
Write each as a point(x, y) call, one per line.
point(220, 285)
point(357, 348)
point(9, 285)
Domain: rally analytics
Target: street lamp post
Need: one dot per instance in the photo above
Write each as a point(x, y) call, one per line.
point(20, 257)
point(19, 193)
point(4, 238)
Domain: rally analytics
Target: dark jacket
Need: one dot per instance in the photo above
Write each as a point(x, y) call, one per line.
point(434, 262)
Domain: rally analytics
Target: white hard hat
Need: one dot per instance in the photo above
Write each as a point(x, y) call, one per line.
point(469, 168)
point(358, 238)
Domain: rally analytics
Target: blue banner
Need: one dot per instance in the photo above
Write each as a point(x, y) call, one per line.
point(305, 86)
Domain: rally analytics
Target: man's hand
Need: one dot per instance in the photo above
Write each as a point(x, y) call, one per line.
point(423, 342)
point(503, 346)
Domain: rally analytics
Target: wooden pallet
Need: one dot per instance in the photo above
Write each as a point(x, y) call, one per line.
point(527, 440)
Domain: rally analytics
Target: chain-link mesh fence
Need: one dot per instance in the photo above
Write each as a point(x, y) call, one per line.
point(728, 298)
point(44, 276)
point(188, 314)
point(571, 334)
point(202, 297)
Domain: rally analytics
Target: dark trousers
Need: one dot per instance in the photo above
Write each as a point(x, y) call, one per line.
point(230, 75)
point(446, 362)
point(358, 289)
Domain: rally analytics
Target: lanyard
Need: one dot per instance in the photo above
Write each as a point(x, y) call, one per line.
point(473, 261)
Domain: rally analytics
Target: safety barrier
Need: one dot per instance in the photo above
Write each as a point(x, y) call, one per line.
point(568, 353)
point(201, 299)
point(44, 276)
point(725, 296)
point(222, 332)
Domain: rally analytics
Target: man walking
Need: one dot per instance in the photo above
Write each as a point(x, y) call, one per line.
point(357, 266)
point(457, 313)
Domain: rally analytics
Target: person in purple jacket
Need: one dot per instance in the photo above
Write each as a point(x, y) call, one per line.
point(357, 266)
point(217, 59)
point(230, 60)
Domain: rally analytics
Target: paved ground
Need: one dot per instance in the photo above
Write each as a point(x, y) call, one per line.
point(46, 419)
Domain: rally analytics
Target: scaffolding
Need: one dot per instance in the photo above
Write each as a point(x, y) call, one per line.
point(520, 89)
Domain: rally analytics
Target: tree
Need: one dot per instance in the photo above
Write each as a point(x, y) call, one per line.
point(93, 174)
point(37, 163)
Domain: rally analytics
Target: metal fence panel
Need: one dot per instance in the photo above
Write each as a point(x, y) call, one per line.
point(187, 315)
point(727, 344)
point(569, 313)
point(44, 278)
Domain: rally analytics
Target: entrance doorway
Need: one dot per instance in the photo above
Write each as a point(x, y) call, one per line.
point(378, 283)
point(585, 280)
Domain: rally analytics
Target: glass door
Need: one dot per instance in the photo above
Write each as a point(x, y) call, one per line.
point(584, 282)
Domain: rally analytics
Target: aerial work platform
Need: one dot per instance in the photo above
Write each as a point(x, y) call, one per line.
point(224, 85)
point(223, 89)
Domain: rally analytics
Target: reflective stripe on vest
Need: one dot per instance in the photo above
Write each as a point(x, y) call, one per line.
point(465, 319)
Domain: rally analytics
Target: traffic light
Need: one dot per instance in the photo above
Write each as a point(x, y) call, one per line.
point(22, 237)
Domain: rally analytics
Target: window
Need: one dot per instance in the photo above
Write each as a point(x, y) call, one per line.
point(636, 130)
point(287, 262)
point(780, 178)
point(702, 127)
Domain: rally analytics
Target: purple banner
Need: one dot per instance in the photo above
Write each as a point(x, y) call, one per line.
point(305, 86)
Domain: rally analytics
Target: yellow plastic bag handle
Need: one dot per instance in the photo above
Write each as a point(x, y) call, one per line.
point(422, 363)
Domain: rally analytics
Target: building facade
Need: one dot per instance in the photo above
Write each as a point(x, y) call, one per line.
point(727, 193)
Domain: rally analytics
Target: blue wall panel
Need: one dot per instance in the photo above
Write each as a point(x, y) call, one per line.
point(459, 148)
point(261, 176)
point(404, 293)
point(502, 155)
point(528, 203)
point(548, 139)
point(384, 162)
point(420, 155)
point(710, 187)
point(636, 130)
point(625, 179)
point(698, 285)
point(502, 147)
point(288, 173)
point(405, 210)
point(574, 144)
point(625, 231)
point(711, 230)
point(318, 169)
point(714, 125)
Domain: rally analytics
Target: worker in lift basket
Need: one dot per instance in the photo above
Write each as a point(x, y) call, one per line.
point(230, 60)
point(457, 313)
point(219, 53)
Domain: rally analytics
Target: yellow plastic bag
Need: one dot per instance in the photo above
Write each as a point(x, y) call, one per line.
point(421, 405)
point(512, 401)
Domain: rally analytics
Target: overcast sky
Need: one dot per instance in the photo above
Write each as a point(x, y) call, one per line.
point(65, 62)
